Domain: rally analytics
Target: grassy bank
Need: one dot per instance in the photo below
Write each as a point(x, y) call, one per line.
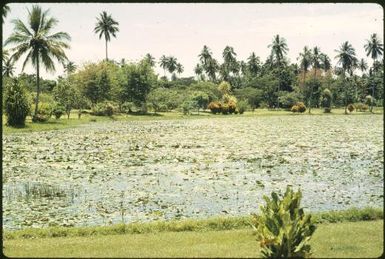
point(73, 121)
point(216, 224)
point(336, 240)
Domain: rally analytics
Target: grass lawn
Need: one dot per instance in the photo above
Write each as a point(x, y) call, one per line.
point(73, 121)
point(347, 239)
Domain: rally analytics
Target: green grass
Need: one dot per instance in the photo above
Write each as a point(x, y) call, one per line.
point(197, 225)
point(73, 121)
point(347, 239)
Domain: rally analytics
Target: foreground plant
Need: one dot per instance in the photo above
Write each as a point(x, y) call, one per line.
point(283, 229)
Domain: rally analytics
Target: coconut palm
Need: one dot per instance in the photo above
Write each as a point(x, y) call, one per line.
point(6, 9)
point(347, 59)
point(172, 64)
point(163, 61)
point(374, 48)
point(179, 68)
point(198, 70)
point(70, 67)
point(362, 65)
point(253, 64)
point(205, 56)
point(316, 59)
point(305, 61)
point(211, 69)
point(8, 68)
point(150, 59)
point(35, 40)
point(278, 49)
point(106, 26)
point(325, 62)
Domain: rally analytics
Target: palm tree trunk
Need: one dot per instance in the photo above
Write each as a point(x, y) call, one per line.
point(106, 52)
point(371, 103)
point(37, 86)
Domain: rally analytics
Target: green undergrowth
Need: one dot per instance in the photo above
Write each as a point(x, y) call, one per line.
point(198, 225)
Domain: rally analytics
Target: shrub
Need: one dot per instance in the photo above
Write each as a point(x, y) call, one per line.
point(58, 111)
point(44, 112)
point(225, 109)
point(301, 107)
point(187, 106)
point(361, 107)
point(242, 106)
point(369, 100)
point(232, 106)
point(283, 229)
point(215, 107)
point(17, 105)
point(104, 109)
point(127, 107)
point(294, 108)
point(350, 107)
point(326, 100)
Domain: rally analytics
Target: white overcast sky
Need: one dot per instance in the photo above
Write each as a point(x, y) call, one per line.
point(182, 29)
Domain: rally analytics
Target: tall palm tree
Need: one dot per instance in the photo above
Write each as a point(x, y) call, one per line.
point(305, 61)
point(211, 69)
point(163, 62)
point(347, 59)
point(36, 40)
point(325, 62)
point(70, 67)
point(205, 56)
point(150, 59)
point(179, 68)
point(198, 70)
point(278, 49)
point(6, 9)
point(373, 48)
point(172, 64)
point(316, 59)
point(362, 65)
point(106, 26)
point(253, 64)
point(8, 68)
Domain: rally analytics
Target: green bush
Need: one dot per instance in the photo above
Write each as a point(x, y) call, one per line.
point(58, 111)
point(361, 107)
point(17, 104)
point(326, 100)
point(104, 109)
point(127, 107)
point(242, 106)
point(283, 229)
point(44, 112)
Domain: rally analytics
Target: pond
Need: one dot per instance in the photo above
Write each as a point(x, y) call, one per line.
point(127, 171)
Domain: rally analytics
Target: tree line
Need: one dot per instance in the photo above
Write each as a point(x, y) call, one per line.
point(119, 85)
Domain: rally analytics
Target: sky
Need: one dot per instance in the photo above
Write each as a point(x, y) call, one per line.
point(182, 29)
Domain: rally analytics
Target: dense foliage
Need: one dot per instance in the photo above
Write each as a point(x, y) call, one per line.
point(16, 104)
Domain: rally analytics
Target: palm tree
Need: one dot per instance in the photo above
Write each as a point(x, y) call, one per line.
point(8, 68)
point(211, 69)
point(316, 59)
point(37, 41)
point(172, 64)
point(179, 68)
point(70, 67)
point(347, 58)
point(325, 62)
point(205, 56)
point(373, 48)
point(278, 49)
point(198, 70)
point(6, 9)
point(106, 26)
point(253, 64)
point(362, 65)
point(163, 63)
point(150, 59)
point(305, 61)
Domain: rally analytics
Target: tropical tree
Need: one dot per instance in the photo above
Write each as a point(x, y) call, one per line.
point(362, 65)
point(163, 62)
point(205, 56)
point(8, 68)
point(172, 64)
point(305, 58)
point(106, 26)
point(6, 9)
point(198, 70)
point(179, 68)
point(278, 49)
point(253, 64)
point(325, 62)
point(35, 40)
point(150, 59)
point(70, 67)
point(347, 59)
point(374, 48)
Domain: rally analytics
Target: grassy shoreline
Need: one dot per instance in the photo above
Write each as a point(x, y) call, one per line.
point(73, 121)
point(185, 225)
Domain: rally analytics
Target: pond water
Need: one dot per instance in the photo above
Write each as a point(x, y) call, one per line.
point(127, 171)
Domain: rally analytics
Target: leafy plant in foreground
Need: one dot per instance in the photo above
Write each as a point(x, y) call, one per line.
point(16, 104)
point(283, 229)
